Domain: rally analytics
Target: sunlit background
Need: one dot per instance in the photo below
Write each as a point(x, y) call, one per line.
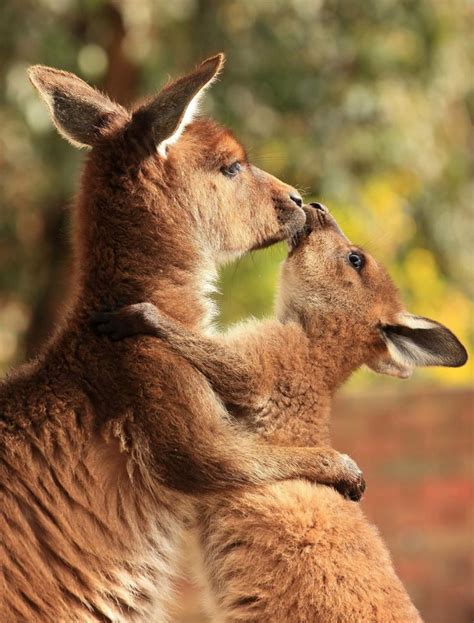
point(364, 105)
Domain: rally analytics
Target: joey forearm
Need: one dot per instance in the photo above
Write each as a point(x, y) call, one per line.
point(236, 379)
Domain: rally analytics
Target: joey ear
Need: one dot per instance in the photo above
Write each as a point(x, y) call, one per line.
point(167, 114)
point(384, 364)
point(415, 341)
point(79, 111)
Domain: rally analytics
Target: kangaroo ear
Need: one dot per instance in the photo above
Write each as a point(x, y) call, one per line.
point(416, 341)
point(79, 112)
point(166, 115)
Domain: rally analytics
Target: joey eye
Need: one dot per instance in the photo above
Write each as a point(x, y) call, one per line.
point(356, 260)
point(232, 170)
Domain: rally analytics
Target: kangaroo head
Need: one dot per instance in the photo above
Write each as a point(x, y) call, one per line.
point(159, 170)
point(326, 275)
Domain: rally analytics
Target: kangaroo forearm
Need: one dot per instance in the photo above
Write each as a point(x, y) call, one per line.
point(322, 465)
point(224, 458)
point(319, 465)
point(298, 552)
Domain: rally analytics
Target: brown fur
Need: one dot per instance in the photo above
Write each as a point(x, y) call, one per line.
point(294, 551)
point(100, 442)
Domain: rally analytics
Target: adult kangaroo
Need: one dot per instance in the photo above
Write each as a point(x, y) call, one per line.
point(101, 442)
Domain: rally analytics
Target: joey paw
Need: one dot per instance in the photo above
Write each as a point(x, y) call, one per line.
point(110, 324)
point(124, 322)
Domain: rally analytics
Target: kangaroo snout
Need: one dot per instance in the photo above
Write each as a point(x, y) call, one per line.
point(289, 208)
point(295, 197)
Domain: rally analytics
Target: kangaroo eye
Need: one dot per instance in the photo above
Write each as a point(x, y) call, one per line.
point(356, 260)
point(232, 170)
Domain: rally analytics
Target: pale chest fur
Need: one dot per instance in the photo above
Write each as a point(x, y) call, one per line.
point(83, 540)
point(141, 590)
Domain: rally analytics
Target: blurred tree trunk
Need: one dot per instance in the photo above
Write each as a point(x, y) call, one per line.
point(121, 81)
point(45, 308)
point(205, 29)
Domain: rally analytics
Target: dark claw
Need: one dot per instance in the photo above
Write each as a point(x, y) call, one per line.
point(103, 328)
point(357, 491)
point(136, 319)
point(98, 318)
point(104, 323)
point(352, 491)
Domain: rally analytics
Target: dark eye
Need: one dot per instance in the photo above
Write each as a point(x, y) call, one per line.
point(232, 170)
point(356, 260)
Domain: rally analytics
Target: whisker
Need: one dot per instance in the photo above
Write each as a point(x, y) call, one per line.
point(271, 157)
point(303, 190)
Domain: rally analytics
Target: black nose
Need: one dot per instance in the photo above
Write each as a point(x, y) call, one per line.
point(296, 199)
point(319, 206)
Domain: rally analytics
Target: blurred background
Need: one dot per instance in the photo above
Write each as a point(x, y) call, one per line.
point(366, 106)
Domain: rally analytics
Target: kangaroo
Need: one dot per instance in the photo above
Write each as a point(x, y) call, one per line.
point(295, 551)
point(103, 446)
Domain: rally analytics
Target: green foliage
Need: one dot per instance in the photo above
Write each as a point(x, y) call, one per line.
point(365, 106)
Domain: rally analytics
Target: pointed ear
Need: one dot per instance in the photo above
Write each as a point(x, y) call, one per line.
point(166, 115)
point(384, 364)
point(79, 112)
point(416, 341)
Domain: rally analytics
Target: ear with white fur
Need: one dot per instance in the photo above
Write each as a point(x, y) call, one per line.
point(167, 114)
point(79, 111)
point(416, 341)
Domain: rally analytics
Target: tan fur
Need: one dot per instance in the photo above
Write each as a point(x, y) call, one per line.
point(295, 551)
point(101, 443)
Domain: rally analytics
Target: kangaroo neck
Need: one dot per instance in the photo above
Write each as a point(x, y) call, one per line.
point(132, 247)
